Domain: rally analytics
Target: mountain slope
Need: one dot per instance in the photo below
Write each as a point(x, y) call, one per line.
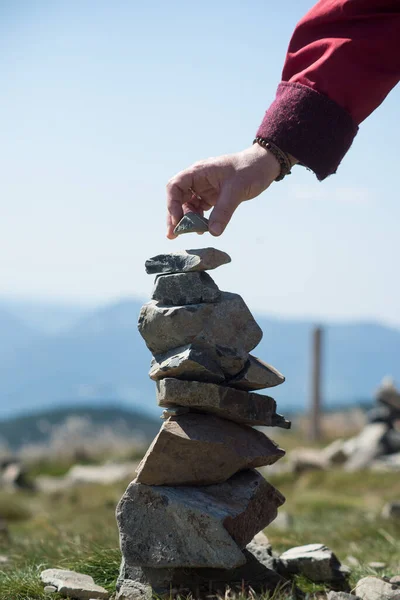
point(14, 335)
point(103, 356)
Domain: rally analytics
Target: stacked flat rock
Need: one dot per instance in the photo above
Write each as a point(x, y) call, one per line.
point(197, 500)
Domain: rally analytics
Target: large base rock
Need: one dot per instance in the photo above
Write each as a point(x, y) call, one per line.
point(142, 583)
point(197, 449)
point(204, 527)
point(186, 261)
point(225, 402)
point(225, 323)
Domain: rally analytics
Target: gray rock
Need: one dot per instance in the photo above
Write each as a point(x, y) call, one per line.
point(226, 323)
point(252, 577)
point(198, 449)
point(231, 360)
point(13, 476)
point(263, 553)
point(191, 223)
point(134, 590)
point(373, 588)
point(3, 559)
point(257, 375)
point(102, 474)
point(225, 402)
point(73, 585)
point(308, 459)
point(386, 463)
point(177, 289)
point(341, 596)
point(200, 527)
point(188, 362)
point(186, 261)
point(369, 444)
point(377, 566)
point(335, 453)
point(391, 510)
point(316, 562)
point(395, 579)
point(174, 412)
point(49, 589)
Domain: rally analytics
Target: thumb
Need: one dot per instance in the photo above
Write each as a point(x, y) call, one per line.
point(226, 205)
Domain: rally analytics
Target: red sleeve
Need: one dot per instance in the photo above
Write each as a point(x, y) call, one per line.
point(342, 61)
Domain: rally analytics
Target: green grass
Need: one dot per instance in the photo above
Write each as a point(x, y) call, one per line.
point(76, 529)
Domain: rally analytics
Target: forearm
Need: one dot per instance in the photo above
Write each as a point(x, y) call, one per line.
point(343, 59)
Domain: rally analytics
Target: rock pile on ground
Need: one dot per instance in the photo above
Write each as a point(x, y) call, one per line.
point(376, 447)
point(197, 500)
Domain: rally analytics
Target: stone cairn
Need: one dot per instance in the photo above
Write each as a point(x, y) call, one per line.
point(197, 500)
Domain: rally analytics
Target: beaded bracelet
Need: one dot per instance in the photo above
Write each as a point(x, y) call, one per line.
point(280, 156)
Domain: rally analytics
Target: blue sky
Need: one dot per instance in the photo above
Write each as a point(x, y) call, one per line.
point(102, 102)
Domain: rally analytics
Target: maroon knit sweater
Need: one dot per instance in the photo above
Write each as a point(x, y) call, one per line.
point(342, 61)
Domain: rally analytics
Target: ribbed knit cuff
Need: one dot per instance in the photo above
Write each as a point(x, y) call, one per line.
point(309, 126)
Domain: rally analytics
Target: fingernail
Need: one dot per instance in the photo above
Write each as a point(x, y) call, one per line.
point(216, 228)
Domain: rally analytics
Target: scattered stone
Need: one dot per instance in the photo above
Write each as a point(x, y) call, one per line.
point(377, 566)
point(341, 596)
point(369, 444)
point(373, 588)
point(226, 323)
point(187, 526)
point(185, 288)
point(3, 559)
point(308, 459)
point(188, 362)
point(316, 562)
point(191, 223)
point(102, 474)
point(198, 449)
point(257, 375)
point(73, 585)
point(261, 548)
point(186, 261)
point(386, 463)
point(391, 510)
point(352, 561)
point(49, 589)
point(235, 405)
point(395, 579)
point(13, 476)
point(135, 590)
point(335, 453)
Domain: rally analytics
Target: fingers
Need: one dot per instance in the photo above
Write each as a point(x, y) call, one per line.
point(226, 205)
point(179, 200)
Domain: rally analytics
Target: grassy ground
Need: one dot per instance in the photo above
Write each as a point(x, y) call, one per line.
point(76, 528)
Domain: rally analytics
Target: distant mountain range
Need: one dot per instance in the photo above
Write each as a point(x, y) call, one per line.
point(101, 355)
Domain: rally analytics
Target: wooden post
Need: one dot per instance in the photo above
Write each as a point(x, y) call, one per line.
point(315, 413)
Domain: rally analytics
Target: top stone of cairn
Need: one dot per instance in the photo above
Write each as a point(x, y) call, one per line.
point(185, 261)
point(191, 223)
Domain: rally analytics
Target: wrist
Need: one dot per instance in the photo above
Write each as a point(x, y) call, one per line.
point(267, 160)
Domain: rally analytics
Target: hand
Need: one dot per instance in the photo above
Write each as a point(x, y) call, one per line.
point(222, 183)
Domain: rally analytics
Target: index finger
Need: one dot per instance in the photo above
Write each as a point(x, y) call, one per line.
point(177, 194)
